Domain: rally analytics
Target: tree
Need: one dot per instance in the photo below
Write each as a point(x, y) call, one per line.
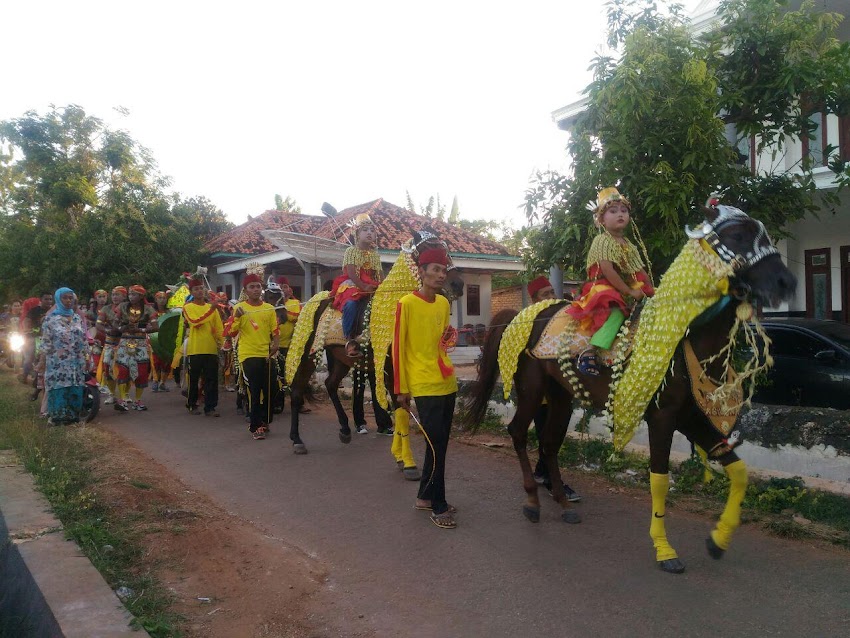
point(656, 124)
point(287, 205)
point(85, 206)
point(432, 210)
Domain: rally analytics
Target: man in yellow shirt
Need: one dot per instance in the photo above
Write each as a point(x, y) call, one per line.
point(424, 372)
point(206, 334)
point(259, 339)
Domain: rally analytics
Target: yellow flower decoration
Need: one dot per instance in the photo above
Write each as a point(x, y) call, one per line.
point(515, 339)
point(693, 283)
point(301, 334)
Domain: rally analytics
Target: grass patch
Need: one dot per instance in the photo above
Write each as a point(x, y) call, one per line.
point(59, 459)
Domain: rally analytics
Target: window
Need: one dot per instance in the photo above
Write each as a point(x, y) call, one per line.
point(844, 138)
point(788, 343)
point(814, 148)
point(818, 284)
point(473, 300)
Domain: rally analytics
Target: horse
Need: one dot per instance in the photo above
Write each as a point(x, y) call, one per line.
point(740, 248)
point(301, 359)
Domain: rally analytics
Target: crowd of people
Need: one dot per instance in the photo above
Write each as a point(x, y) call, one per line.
point(219, 340)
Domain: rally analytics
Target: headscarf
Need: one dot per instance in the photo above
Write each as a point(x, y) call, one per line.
point(58, 307)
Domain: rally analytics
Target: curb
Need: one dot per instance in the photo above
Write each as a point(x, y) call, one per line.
point(48, 586)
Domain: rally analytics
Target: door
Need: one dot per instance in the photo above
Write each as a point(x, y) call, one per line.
point(818, 284)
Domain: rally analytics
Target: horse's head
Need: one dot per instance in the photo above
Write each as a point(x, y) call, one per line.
point(427, 238)
point(743, 242)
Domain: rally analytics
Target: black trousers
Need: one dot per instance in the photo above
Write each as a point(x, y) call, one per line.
point(435, 415)
point(262, 388)
point(203, 366)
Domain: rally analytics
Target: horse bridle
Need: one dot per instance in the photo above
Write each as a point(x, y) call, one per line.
point(728, 215)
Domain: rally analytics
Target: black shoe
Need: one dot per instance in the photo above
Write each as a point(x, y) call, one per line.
point(121, 406)
point(572, 495)
point(240, 411)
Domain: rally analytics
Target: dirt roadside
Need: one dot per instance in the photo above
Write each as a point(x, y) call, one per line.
point(229, 578)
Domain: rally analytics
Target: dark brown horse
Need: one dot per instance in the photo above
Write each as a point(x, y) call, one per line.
point(340, 363)
point(759, 275)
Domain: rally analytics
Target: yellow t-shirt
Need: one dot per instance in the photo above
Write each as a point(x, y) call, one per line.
point(206, 333)
point(293, 308)
point(420, 365)
point(256, 328)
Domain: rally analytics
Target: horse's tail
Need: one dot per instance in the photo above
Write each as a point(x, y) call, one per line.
point(488, 368)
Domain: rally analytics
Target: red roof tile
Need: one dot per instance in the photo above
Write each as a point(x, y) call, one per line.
point(393, 226)
point(247, 239)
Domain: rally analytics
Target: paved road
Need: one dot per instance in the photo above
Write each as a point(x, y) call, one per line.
point(395, 574)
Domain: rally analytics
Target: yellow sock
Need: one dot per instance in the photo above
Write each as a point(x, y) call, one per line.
point(123, 391)
point(659, 484)
point(730, 519)
point(139, 392)
point(401, 439)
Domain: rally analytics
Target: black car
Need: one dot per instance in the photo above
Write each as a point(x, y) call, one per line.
point(811, 364)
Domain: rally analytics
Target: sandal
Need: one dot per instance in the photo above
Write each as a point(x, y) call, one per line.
point(444, 520)
point(259, 434)
point(588, 363)
point(427, 508)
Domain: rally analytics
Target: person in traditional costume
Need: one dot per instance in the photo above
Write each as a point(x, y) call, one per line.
point(541, 289)
point(616, 278)
point(206, 335)
point(361, 275)
point(225, 353)
point(254, 322)
point(136, 320)
point(107, 323)
point(64, 348)
point(424, 372)
point(161, 367)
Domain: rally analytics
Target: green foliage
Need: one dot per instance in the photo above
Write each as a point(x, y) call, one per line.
point(656, 119)
point(59, 462)
point(83, 205)
point(288, 204)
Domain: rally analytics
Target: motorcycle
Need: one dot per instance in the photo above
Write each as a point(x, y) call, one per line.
point(91, 399)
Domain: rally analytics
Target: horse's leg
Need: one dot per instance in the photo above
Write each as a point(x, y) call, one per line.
point(358, 393)
point(332, 384)
point(554, 431)
point(529, 391)
point(299, 384)
point(662, 425)
point(382, 417)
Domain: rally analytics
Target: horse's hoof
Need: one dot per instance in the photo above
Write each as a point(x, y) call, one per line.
point(411, 473)
point(570, 516)
point(671, 566)
point(531, 513)
point(299, 448)
point(345, 438)
point(714, 550)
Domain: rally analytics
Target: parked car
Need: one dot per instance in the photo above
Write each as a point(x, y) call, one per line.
point(811, 364)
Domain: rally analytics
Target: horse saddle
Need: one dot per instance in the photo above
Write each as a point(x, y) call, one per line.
point(331, 324)
point(563, 326)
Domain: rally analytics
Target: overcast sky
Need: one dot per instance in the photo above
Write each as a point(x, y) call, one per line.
point(342, 102)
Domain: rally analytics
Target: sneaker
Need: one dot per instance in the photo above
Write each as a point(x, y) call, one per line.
point(240, 411)
point(141, 407)
point(212, 412)
point(386, 431)
point(361, 429)
point(121, 406)
point(163, 388)
point(155, 386)
point(103, 389)
point(229, 388)
point(259, 434)
point(109, 400)
point(193, 410)
point(572, 495)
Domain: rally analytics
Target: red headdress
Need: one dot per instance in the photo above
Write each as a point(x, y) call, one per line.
point(250, 279)
point(120, 289)
point(139, 289)
point(434, 256)
point(282, 281)
point(161, 295)
point(536, 285)
point(194, 282)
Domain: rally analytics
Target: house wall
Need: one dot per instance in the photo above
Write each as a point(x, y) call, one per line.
point(484, 283)
point(828, 231)
point(505, 298)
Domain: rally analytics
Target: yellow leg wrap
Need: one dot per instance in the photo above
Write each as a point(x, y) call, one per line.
point(730, 519)
point(111, 385)
point(659, 484)
point(139, 392)
point(123, 390)
point(401, 439)
point(707, 475)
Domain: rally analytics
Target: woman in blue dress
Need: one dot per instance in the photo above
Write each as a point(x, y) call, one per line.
point(65, 347)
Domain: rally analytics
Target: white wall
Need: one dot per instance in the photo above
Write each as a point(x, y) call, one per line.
point(484, 281)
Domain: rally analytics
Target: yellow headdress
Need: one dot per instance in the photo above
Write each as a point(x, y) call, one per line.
point(605, 198)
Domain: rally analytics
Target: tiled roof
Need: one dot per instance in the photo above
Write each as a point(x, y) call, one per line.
point(247, 239)
point(393, 226)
